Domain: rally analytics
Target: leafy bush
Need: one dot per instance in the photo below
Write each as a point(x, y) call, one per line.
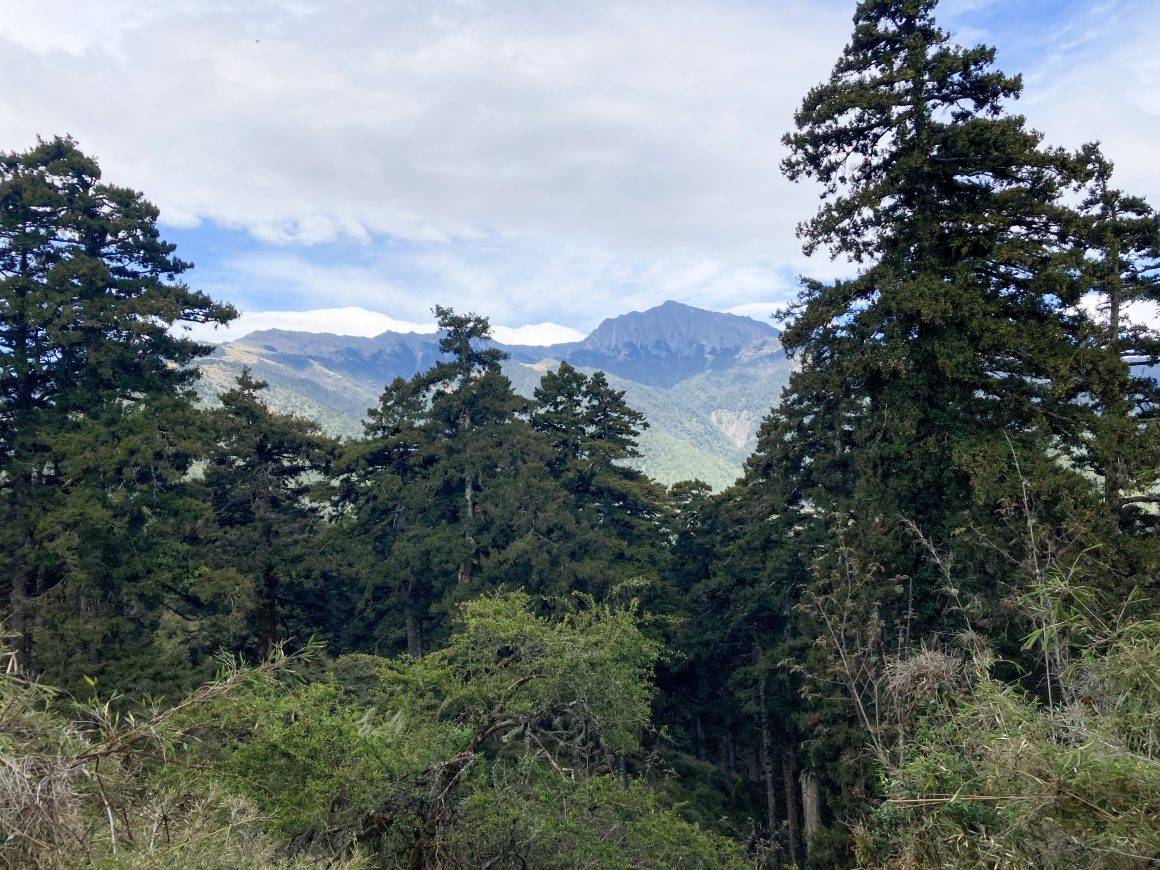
point(995, 778)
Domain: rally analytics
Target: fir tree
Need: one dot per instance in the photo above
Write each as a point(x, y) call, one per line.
point(956, 336)
point(1121, 241)
point(261, 470)
point(95, 420)
point(953, 353)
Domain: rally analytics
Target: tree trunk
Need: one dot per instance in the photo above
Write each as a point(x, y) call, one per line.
point(24, 574)
point(468, 522)
point(18, 620)
point(767, 774)
point(725, 748)
point(414, 634)
point(793, 819)
point(1115, 405)
point(766, 747)
point(811, 807)
point(266, 618)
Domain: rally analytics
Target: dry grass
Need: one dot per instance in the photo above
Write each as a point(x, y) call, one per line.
point(40, 810)
point(923, 676)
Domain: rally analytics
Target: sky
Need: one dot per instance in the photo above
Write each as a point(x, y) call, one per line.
point(344, 165)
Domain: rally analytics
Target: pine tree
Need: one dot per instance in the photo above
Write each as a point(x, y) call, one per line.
point(956, 336)
point(259, 480)
point(95, 420)
point(469, 396)
point(1121, 241)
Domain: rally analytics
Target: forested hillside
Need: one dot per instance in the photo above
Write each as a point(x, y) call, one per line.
point(920, 631)
point(703, 379)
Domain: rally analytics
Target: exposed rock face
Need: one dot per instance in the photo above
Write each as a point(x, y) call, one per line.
point(734, 425)
point(669, 343)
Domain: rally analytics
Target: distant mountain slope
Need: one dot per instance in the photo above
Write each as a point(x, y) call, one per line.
point(670, 343)
point(704, 380)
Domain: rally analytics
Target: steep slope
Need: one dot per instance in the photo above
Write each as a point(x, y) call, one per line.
point(667, 344)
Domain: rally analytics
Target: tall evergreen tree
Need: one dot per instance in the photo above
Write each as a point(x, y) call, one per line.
point(620, 513)
point(90, 291)
point(1121, 241)
point(259, 479)
point(952, 354)
point(956, 336)
point(95, 419)
point(442, 485)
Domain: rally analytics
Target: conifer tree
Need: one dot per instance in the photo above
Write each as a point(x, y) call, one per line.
point(95, 422)
point(469, 396)
point(261, 470)
point(1121, 241)
point(90, 291)
point(955, 336)
point(447, 480)
point(559, 413)
point(620, 513)
point(953, 352)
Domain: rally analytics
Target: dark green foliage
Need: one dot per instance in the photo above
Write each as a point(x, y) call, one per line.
point(1121, 239)
point(879, 641)
point(958, 336)
point(593, 431)
point(457, 490)
point(90, 291)
point(432, 492)
point(953, 381)
point(96, 431)
point(259, 476)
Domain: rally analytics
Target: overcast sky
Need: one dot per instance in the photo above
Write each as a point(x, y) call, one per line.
point(537, 162)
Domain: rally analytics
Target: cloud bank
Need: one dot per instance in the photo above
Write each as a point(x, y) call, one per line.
point(357, 321)
point(537, 162)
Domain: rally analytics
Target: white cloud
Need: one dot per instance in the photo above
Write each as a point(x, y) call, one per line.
point(513, 282)
point(339, 321)
point(536, 334)
point(1095, 77)
point(535, 162)
point(357, 321)
point(635, 128)
point(1139, 313)
point(763, 311)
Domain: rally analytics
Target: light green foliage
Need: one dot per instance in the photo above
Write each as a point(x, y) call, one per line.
point(557, 822)
point(500, 750)
point(992, 778)
point(86, 786)
point(936, 463)
point(501, 747)
point(669, 459)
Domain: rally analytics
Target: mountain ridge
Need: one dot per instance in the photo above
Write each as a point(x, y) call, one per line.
point(703, 379)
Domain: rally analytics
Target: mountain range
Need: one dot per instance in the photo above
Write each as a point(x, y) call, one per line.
point(703, 379)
